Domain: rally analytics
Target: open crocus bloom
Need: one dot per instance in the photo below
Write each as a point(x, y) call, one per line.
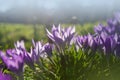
point(62, 37)
point(38, 50)
point(20, 45)
point(13, 59)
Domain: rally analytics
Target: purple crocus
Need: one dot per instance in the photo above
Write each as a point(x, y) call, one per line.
point(5, 76)
point(109, 35)
point(108, 43)
point(112, 27)
point(104, 29)
point(38, 50)
point(82, 41)
point(13, 59)
point(93, 42)
point(33, 56)
point(20, 45)
point(87, 42)
point(26, 55)
point(28, 59)
point(117, 48)
point(48, 49)
point(62, 37)
point(99, 29)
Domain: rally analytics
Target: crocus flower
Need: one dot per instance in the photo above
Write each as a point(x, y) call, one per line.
point(5, 76)
point(28, 59)
point(38, 50)
point(48, 49)
point(60, 36)
point(112, 27)
point(36, 53)
point(13, 59)
point(106, 29)
point(117, 48)
point(82, 41)
point(109, 35)
point(93, 42)
point(26, 55)
point(108, 43)
point(20, 45)
point(99, 28)
point(87, 42)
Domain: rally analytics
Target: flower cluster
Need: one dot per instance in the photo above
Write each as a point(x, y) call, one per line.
point(110, 35)
point(15, 59)
point(106, 40)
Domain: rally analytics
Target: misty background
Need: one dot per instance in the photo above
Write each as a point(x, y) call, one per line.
point(57, 11)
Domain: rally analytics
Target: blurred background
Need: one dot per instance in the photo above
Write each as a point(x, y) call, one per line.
point(27, 19)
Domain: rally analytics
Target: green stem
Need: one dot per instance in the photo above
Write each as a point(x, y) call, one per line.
point(21, 76)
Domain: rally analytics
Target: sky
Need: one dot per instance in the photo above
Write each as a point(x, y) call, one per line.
point(53, 4)
point(57, 10)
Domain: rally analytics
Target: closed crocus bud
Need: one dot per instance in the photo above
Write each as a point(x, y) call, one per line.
point(92, 42)
point(82, 41)
point(48, 49)
point(117, 49)
point(29, 60)
point(109, 44)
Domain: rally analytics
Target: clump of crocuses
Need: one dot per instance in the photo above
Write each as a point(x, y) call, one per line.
point(109, 35)
point(106, 39)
